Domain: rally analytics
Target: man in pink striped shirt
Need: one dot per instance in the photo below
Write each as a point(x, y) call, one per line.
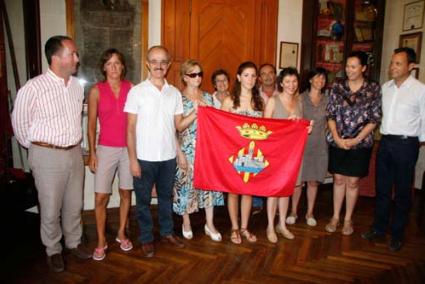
point(47, 120)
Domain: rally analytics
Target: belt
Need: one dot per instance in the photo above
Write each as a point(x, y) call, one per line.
point(51, 146)
point(399, 137)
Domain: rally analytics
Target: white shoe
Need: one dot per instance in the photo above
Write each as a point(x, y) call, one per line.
point(187, 234)
point(216, 237)
point(311, 221)
point(290, 220)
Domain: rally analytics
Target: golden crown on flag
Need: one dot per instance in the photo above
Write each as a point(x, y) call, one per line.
point(254, 132)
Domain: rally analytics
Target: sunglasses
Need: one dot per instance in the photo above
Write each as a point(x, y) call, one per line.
point(194, 75)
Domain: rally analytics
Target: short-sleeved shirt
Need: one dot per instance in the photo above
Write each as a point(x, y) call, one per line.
point(352, 111)
point(404, 108)
point(155, 128)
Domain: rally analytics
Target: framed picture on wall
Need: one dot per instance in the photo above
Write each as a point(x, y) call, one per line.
point(413, 41)
point(288, 54)
point(413, 15)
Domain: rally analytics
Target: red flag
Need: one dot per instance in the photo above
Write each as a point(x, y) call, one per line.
point(247, 155)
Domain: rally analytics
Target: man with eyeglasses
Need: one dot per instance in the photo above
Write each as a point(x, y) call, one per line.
point(47, 120)
point(155, 111)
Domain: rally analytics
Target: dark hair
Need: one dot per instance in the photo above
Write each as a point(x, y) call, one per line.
point(106, 55)
point(306, 85)
point(288, 71)
point(236, 91)
point(53, 46)
point(361, 56)
point(267, 64)
point(410, 53)
point(219, 72)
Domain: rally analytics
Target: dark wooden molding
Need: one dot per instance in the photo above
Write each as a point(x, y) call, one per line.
point(31, 9)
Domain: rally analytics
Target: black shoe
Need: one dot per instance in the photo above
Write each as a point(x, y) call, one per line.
point(148, 249)
point(55, 262)
point(395, 245)
point(372, 235)
point(81, 252)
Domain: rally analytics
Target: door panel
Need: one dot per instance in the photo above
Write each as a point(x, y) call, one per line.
point(219, 33)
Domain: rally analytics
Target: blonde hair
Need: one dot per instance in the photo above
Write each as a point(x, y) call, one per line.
point(186, 66)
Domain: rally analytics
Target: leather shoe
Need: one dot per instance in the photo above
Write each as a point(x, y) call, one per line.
point(55, 262)
point(148, 249)
point(395, 245)
point(81, 252)
point(372, 235)
point(175, 241)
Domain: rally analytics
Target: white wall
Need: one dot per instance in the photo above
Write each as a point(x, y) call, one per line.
point(393, 27)
point(289, 25)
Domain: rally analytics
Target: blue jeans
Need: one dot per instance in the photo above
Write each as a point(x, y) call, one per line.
point(395, 166)
point(162, 175)
point(257, 202)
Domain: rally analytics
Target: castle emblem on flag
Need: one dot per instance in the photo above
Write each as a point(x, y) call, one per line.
point(250, 160)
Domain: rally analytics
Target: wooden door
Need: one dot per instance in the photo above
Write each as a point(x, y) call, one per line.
point(219, 33)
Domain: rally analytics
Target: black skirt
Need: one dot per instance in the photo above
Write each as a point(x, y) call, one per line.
point(353, 162)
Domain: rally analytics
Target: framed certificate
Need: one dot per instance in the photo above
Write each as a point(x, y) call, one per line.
point(414, 41)
point(413, 15)
point(288, 54)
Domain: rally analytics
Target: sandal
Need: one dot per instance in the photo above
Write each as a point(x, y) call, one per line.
point(285, 232)
point(347, 229)
point(99, 253)
point(235, 237)
point(332, 225)
point(125, 244)
point(251, 238)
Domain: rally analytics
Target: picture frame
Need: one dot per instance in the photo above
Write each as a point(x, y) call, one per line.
point(413, 15)
point(288, 54)
point(414, 41)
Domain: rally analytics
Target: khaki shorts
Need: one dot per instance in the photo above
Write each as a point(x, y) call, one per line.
point(109, 160)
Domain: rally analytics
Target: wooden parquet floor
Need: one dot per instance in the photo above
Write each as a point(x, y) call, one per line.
point(314, 256)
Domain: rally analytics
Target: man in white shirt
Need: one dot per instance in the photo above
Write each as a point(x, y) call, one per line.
point(402, 129)
point(154, 113)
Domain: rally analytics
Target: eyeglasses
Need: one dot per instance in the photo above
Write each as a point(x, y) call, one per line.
point(194, 75)
point(154, 62)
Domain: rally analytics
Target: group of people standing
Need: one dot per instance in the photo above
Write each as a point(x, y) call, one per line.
point(148, 134)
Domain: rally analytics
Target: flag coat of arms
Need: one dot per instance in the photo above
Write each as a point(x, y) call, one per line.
point(248, 155)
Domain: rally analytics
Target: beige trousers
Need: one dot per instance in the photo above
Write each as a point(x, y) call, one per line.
point(59, 177)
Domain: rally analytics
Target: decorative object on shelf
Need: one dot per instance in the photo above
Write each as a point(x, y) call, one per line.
point(413, 15)
point(288, 54)
point(337, 30)
point(413, 40)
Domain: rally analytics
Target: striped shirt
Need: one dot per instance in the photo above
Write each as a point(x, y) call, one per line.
point(48, 111)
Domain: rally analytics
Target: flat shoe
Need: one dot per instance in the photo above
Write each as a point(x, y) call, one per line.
point(285, 233)
point(347, 229)
point(125, 244)
point(235, 237)
point(332, 225)
point(99, 253)
point(216, 237)
point(251, 238)
point(271, 236)
point(311, 221)
point(291, 220)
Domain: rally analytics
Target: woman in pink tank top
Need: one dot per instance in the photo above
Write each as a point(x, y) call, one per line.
point(106, 104)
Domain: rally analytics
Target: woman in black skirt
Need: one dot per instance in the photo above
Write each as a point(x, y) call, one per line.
point(353, 111)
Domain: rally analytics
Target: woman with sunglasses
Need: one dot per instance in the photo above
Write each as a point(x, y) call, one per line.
point(187, 199)
point(244, 99)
